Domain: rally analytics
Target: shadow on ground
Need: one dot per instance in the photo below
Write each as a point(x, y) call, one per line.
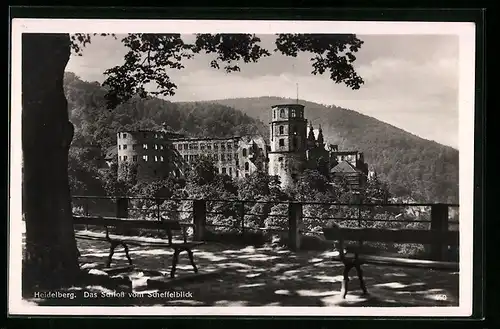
point(249, 276)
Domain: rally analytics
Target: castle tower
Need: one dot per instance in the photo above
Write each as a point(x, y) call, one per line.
point(147, 151)
point(311, 139)
point(320, 140)
point(288, 142)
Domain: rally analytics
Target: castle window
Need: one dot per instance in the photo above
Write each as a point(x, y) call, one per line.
point(145, 158)
point(186, 158)
point(216, 157)
point(216, 146)
point(223, 170)
point(237, 173)
point(124, 158)
point(179, 146)
point(274, 114)
point(280, 159)
point(202, 146)
point(156, 135)
point(156, 158)
point(230, 171)
point(223, 146)
point(156, 146)
point(247, 166)
point(237, 162)
point(222, 157)
point(134, 146)
point(282, 142)
point(195, 146)
point(119, 147)
point(229, 157)
point(185, 146)
point(292, 114)
point(282, 113)
point(145, 146)
point(124, 135)
point(161, 147)
point(244, 152)
point(229, 146)
point(134, 158)
point(120, 158)
point(209, 146)
point(282, 130)
point(261, 150)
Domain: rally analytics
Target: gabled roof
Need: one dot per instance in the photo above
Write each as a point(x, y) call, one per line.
point(111, 152)
point(344, 167)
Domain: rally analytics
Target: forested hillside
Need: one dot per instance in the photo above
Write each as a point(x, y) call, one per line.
point(413, 166)
point(95, 125)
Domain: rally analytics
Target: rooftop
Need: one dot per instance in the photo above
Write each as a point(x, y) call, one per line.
point(344, 167)
point(289, 104)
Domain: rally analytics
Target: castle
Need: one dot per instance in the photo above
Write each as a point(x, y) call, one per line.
point(289, 151)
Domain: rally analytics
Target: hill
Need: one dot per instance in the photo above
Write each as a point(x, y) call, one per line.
point(96, 126)
point(421, 169)
point(414, 167)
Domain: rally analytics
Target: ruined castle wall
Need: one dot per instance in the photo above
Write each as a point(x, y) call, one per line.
point(148, 150)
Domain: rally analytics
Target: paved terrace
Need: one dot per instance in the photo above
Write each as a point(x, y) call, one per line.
point(249, 276)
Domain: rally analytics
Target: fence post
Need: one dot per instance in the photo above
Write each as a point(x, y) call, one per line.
point(86, 210)
point(199, 219)
point(242, 213)
point(158, 202)
point(439, 227)
point(294, 224)
point(122, 207)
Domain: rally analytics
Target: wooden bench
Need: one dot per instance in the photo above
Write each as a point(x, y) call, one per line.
point(168, 226)
point(349, 256)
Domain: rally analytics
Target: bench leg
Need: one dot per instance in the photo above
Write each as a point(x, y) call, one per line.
point(361, 280)
point(191, 259)
point(174, 262)
point(111, 252)
point(345, 281)
point(127, 254)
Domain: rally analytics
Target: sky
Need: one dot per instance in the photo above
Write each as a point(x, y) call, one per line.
point(411, 81)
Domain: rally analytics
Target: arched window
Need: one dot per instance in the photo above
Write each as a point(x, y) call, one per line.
point(282, 130)
point(247, 166)
point(244, 152)
point(274, 114)
point(282, 113)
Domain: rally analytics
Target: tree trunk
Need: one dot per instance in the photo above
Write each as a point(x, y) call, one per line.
point(50, 258)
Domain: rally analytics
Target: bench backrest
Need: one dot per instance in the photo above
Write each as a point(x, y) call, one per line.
point(166, 225)
point(335, 233)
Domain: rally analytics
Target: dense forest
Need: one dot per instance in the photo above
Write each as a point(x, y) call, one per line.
point(414, 167)
point(97, 126)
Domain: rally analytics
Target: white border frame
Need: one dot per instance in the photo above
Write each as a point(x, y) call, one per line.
point(466, 34)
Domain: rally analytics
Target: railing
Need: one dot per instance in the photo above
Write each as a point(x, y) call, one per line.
point(431, 225)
